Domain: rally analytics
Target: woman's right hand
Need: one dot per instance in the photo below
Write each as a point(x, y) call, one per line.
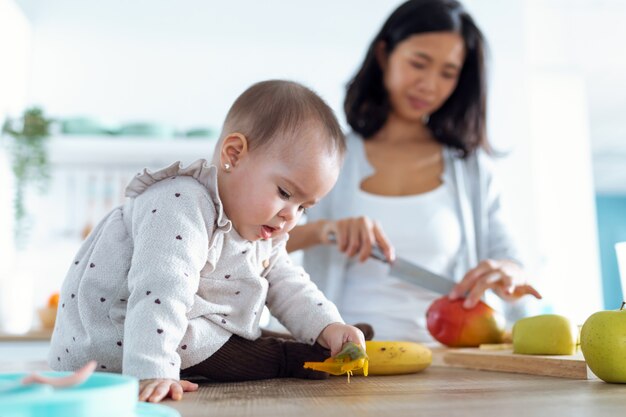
point(357, 235)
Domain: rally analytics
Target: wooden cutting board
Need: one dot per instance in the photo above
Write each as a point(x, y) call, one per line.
point(562, 366)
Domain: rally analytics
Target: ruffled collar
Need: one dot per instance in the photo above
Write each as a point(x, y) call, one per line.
point(201, 170)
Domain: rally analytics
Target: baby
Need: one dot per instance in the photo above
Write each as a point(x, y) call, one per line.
point(174, 281)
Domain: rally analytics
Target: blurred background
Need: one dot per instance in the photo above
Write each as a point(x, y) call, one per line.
point(141, 84)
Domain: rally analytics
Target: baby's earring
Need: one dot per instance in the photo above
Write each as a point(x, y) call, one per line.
point(227, 167)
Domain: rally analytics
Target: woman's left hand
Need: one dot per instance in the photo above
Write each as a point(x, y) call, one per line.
point(506, 278)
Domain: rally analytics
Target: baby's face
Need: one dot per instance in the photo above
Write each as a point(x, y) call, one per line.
point(270, 188)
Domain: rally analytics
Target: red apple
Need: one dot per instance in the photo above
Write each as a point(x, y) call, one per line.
point(451, 324)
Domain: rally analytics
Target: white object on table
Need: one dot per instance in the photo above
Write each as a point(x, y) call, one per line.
point(620, 251)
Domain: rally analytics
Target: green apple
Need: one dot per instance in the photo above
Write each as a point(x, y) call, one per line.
point(603, 342)
point(546, 334)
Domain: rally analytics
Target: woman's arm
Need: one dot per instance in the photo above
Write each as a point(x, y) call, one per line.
point(306, 235)
point(501, 268)
point(353, 235)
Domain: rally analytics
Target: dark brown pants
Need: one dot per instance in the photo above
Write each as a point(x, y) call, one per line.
point(273, 355)
point(264, 358)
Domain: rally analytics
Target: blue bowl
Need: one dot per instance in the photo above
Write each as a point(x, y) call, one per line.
point(102, 395)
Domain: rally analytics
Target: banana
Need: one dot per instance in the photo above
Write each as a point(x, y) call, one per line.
point(394, 358)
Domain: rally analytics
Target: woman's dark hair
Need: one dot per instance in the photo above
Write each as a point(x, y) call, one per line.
point(461, 121)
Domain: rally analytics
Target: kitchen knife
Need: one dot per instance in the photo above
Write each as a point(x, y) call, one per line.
point(410, 272)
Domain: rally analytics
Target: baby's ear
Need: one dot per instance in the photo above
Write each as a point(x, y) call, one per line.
point(234, 148)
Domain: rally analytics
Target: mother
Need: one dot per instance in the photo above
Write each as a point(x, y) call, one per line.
point(418, 164)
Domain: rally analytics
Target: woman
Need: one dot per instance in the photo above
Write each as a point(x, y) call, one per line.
point(417, 164)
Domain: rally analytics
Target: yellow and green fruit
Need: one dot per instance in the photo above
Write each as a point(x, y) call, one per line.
point(545, 334)
point(382, 358)
point(396, 358)
point(603, 342)
point(456, 326)
point(351, 358)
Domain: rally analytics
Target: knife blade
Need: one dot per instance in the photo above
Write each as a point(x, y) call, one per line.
point(415, 274)
point(411, 272)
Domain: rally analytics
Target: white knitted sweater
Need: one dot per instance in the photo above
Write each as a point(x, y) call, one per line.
point(164, 280)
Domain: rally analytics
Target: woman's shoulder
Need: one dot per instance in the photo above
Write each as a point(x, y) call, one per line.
point(353, 139)
point(355, 154)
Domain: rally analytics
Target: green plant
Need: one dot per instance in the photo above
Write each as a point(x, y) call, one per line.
point(29, 162)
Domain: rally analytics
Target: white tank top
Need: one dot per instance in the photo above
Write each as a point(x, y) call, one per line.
point(424, 228)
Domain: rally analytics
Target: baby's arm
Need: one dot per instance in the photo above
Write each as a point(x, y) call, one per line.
point(297, 303)
point(171, 238)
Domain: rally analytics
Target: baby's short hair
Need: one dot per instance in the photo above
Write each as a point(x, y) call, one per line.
point(278, 108)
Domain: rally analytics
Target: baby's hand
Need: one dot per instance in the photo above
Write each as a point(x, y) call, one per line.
point(154, 390)
point(335, 335)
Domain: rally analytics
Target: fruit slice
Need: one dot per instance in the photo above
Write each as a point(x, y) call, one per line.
point(546, 334)
point(351, 358)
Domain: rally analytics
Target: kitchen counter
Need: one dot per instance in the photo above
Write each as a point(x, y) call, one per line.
point(438, 391)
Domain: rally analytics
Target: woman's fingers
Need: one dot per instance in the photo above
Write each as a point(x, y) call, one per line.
point(482, 268)
point(358, 235)
point(343, 239)
point(518, 292)
point(505, 278)
point(354, 236)
point(382, 241)
point(482, 284)
point(472, 277)
point(367, 239)
point(462, 288)
point(526, 289)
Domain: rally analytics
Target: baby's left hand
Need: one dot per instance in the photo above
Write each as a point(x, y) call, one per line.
point(335, 335)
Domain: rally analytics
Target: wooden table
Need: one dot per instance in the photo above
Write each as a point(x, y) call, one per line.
point(438, 391)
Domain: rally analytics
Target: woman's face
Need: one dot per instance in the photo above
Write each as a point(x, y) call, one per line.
point(422, 72)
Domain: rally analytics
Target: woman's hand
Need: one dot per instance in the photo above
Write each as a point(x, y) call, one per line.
point(335, 335)
point(357, 235)
point(506, 278)
point(154, 390)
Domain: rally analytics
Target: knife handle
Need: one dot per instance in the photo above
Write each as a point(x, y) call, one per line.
point(376, 252)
